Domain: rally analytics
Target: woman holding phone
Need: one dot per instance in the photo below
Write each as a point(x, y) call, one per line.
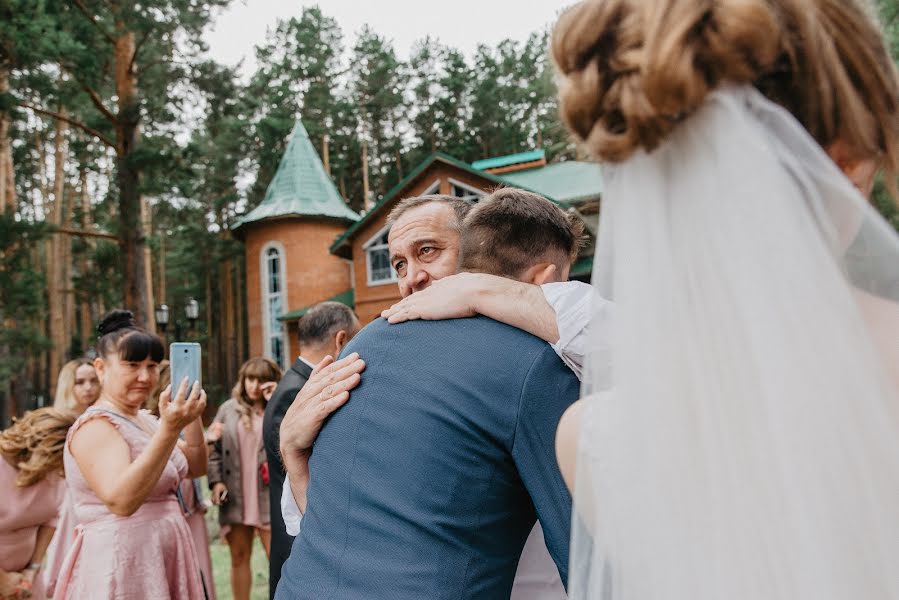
point(238, 471)
point(123, 468)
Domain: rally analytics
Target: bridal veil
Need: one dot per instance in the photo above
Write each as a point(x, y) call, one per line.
point(746, 444)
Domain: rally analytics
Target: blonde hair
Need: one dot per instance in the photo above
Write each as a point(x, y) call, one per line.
point(630, 70)
point(35, 444)
point(262, 369)
point(65, 385)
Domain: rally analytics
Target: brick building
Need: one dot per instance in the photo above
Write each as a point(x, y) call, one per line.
point(304, 245)
point(286, 241)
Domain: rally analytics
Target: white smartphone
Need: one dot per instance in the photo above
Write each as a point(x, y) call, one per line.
point(185, 362)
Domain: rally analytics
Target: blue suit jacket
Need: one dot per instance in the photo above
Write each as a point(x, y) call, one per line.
point(426, 484)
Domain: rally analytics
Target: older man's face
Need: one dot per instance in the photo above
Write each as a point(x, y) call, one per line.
point(424, 246)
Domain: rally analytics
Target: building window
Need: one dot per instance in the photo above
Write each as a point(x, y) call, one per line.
point(466, 192)
point(377, 259)
point(274, 299)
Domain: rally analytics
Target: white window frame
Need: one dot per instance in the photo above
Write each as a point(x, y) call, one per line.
point(368, 247)
point(434, 188)
point(475, 194)
point(267, 333)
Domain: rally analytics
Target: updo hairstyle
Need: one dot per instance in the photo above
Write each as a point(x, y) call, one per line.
point(631, 70)
point(120, 336)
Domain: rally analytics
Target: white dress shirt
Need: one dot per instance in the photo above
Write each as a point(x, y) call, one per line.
point(574, 303)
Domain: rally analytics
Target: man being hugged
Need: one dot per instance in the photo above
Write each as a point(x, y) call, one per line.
point(428, 482)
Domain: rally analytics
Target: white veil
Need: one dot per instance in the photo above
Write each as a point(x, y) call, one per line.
point(747, 445)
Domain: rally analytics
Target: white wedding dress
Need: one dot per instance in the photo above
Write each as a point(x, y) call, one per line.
point(746, 446)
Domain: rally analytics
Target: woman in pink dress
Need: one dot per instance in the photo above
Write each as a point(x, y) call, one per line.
point(123, 469)
point(238, 470)
point(77, 387)
point(32, 490)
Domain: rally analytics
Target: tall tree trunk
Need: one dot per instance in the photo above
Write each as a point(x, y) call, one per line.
point(7, 177)
point(213, 365)
point(55, 260)
point(146, 220)
point(85, 317)
point(131, 235)
point(68, 265)
point(226, 291)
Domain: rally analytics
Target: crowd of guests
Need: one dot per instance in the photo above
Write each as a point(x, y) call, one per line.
point(105, 486)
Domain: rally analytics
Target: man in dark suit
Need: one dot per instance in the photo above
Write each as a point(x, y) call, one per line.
point(428, 482)
point(323, 331)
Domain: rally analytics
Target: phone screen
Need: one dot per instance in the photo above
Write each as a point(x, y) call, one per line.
point(185, 362)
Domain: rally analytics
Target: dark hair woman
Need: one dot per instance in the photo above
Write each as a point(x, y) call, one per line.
point(238, 471)
point(124, 467)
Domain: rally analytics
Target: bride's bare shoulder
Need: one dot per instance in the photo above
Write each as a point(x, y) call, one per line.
point(567, 436)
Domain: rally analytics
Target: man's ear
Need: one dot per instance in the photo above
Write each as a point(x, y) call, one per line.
point(542, 273)
point(340, 340)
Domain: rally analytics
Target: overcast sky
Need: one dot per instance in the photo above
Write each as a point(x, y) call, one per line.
point(459, 23)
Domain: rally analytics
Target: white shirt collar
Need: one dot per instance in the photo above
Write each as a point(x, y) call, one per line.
point(311, 366)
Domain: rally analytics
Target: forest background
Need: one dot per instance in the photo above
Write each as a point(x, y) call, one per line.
point(126, 156)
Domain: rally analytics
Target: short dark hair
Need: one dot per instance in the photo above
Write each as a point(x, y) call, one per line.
point(510, 229)
point(459, 206)
point(324, 320)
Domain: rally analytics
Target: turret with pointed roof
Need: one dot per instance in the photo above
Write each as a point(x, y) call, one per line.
point(301, 187)
point(286, 239)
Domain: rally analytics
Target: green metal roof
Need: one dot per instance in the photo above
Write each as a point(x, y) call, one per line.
point(570, 181)
point(341, 241)
point(301, 187)
point(348, 298)
point(510, 159)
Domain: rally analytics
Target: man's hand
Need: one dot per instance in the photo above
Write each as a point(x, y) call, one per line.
point(327, 389)
point(452, 297)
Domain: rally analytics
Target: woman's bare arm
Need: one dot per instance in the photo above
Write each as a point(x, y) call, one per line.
point(104, 457)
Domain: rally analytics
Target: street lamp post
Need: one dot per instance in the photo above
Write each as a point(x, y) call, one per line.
point(192, 311)
point(162, 317)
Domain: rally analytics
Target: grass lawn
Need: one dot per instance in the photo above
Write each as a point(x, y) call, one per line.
point(221, 571)
point(221, 562)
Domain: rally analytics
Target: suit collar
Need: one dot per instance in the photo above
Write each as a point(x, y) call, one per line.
point(301, 368)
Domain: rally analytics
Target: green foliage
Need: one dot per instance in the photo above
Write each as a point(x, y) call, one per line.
point(22, 290)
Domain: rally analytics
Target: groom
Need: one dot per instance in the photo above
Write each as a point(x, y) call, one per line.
point(427, 484)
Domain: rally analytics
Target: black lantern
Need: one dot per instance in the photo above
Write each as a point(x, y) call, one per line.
point(162, 317)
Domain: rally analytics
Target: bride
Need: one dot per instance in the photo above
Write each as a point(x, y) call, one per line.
point(747, 444)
